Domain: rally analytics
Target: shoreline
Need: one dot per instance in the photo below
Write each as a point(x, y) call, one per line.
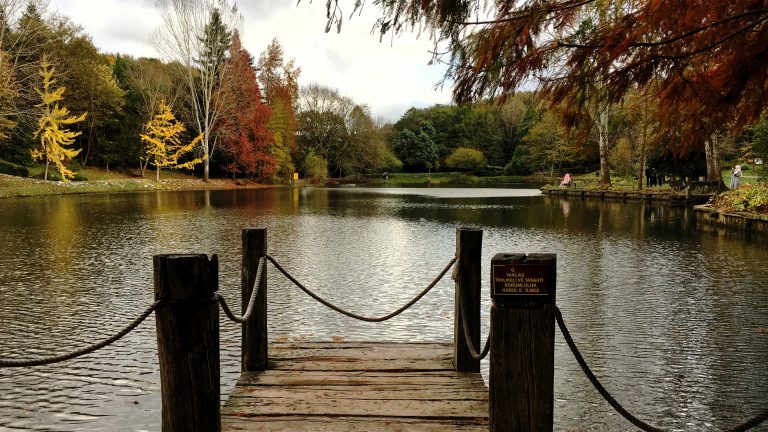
point(632, 195)
point(22, 187)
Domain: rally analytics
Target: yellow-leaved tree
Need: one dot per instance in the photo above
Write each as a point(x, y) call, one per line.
point(55, 137)
point(163, 145)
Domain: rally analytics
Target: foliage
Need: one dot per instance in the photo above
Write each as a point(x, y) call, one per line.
point(279, 82)
point(163, 143)
point(622, 158)
point(759, 139)
point(195, 33)
point(315, 168)
point(747, 198)
point(9, 91)
point(417, 152)
point(55, 137)
point(466, 159)
point(245, 137)
point(692, 57)
point(13, 169)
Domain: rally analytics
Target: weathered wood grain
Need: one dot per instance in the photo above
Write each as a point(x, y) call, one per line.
point(254, 340)
point(358, 386)
point(469, 247)
point(350, 424)
point(188, 342)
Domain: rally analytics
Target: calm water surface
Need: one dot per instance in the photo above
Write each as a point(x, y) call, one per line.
point(674, 321)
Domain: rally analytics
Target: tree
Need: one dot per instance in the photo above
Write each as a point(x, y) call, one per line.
point(9, 91)
point(195, 33)
point(759, 139)
point(55, 137)
point(315, 168)
point(417, 151)
point(93, 88)
point(546, 145)
point(705, 63)
point(163, 142)
point(466, 159)
point(244, 135)
point(147, 82)
point(325, 133)
point(279, 81)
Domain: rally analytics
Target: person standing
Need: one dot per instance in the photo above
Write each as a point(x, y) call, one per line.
point(735, 176)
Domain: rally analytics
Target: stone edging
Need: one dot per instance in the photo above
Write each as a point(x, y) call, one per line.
point(628, 195)
point(710, 219)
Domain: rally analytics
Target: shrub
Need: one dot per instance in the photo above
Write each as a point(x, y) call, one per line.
point(316, 168)
point(748, 198)
point(466, 159)
point(79, 174)
point(13, 169)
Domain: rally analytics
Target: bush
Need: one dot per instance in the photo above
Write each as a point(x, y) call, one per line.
point(466, 159)
point(316, 168)
point(79, 174)
point(748, 198)
point(13, 169)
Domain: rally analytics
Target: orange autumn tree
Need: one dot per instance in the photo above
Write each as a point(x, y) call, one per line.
point(245, 140)
point(704, 62)
point(279, 80)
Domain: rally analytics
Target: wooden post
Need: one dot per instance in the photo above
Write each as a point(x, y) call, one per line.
point(254, 343)
point(188, 342)
point(469, 246)
point(522, 365)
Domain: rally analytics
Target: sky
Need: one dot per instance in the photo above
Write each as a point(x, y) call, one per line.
point(389, 76)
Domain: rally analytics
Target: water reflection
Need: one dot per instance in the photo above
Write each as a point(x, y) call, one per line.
point(673, 321)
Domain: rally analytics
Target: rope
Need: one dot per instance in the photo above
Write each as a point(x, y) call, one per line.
point(249, 310)
point(87, 350)
point(470, 343)
point(353, 315)
point(747, 425)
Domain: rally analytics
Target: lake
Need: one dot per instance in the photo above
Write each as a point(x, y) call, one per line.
point(674, 321)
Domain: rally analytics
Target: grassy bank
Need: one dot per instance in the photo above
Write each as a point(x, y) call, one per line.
point(436, 179)
point(102, 181)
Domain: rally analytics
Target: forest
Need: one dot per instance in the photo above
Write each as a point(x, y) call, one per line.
point(216, 109)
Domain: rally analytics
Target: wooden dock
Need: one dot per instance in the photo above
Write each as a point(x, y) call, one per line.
point(358, 386)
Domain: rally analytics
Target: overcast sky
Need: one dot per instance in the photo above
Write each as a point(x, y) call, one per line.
point(389, 76)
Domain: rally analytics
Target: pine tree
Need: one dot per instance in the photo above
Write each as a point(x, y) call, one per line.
point(164, 147)
point(55, 137)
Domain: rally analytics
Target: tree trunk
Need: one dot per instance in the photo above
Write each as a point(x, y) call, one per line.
point(712, 154)
point(602, 132)
point(643, 139)
point(157, 174)
point(45, 176)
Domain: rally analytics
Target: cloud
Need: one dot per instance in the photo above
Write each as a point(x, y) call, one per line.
point(388, 76)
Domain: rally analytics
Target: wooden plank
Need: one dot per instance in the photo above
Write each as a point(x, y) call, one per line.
point(350, 424)
point(354, 378)
point(353, 364)
point(364, 350)
point(448, 392)
point(358, 408)
point(354, 386)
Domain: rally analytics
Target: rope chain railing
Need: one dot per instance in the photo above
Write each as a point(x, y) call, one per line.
point(256, 287)
point(81, 352)
point(745, 426)
point(354, 315)
point(470, 344)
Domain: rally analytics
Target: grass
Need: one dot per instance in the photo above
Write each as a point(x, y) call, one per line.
point(440, 178)
point(102, 181)
point(749, 176)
